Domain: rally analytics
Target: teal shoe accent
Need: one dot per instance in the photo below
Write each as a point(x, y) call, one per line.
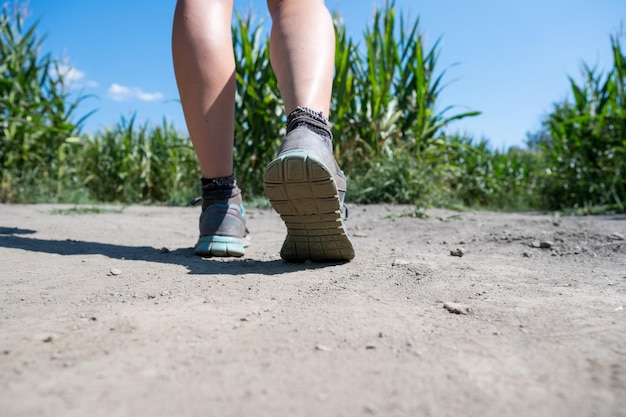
point(222, 231)
point(209, 246)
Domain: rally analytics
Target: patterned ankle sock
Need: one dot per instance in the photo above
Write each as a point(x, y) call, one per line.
point(221, 190)
point(316, 122)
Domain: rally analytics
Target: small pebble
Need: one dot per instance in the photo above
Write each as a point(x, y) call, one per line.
point(617, 236)
point(456, 308)
point(546, 244)
point(115, 271)
point(323, 348)
point(457, 252)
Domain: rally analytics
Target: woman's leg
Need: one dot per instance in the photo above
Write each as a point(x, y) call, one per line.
point(302, 51)
point(204, 64)
point(304, 182)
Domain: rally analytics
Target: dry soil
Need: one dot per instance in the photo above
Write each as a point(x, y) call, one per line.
point(110, 314)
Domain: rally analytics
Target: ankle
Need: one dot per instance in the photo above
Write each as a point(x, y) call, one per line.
point(221, 190)
point(314, 121)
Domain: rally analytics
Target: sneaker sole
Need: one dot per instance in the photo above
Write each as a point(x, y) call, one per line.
point(220, 246)
point(302, 190)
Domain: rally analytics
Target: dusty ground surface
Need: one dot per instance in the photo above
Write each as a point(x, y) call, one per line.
point(110, 314)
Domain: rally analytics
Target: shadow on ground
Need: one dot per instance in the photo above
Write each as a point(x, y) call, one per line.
point(13, 238)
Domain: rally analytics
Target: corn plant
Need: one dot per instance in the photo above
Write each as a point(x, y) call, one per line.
point(389, 134)
point(480, 176)
point(383, 102)
point(385, 110)
point(37, 134)
point(138, 163)
point(586, 155)
point(259, 121)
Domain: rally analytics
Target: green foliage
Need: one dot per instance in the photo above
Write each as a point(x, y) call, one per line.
point(44, 157)
point(383, 110)
point(480, 176)
point(389, 132)
point(586, 155)
point(37, 135)
point(133, 164)
point(454, 171)
point(402, 177)
point(385, 93)
point(259, 124)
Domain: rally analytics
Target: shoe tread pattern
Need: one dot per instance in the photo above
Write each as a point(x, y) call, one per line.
point(302, 190)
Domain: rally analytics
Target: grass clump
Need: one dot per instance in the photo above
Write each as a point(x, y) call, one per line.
point(88, 210)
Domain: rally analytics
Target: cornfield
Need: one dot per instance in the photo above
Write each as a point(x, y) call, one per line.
point(389, 136)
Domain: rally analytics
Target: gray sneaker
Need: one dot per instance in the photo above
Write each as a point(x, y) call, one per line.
point(306, 187)
point(222, 231)
point(222, 227)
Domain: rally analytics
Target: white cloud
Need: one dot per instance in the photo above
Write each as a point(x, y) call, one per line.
point(72, 76)
point(119, 92)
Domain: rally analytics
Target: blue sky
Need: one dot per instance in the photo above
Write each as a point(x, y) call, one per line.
point(509, 59)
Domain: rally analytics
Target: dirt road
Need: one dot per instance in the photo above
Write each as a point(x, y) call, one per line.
point(110, 314)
